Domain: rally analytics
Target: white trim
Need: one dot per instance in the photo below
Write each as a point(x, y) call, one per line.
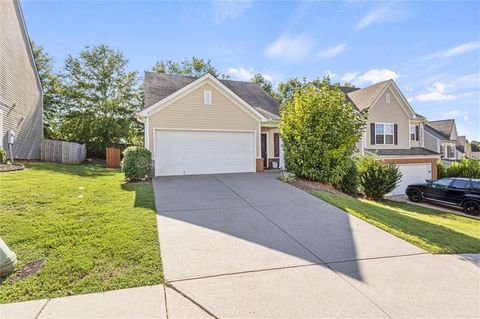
point(206, 130)
point(207, 97)
point(408, 156)
point(146, 138)
point(152, 109)
point(405, 102)
point(384, 134)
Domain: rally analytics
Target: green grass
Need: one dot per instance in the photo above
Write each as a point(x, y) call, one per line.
point(93, 232)
point(435, 231)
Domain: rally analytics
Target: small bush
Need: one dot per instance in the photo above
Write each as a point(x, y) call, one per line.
point(441, 169)
point(3, 156)
point(377, 178)
point(349, 182)
point(469, 168)
point(137, 163)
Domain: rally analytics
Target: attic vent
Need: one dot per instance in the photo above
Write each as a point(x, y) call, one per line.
point(387, 96)
point(207, 97)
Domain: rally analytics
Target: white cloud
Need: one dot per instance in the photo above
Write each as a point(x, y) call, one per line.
point(330, 74)
point(436, 92)
point(349, 77)
point(455, 51)
point(377, 75)
point(379, 14)
point(228, 10)
point(290, 48)
point(244, 74)
point(332, 52)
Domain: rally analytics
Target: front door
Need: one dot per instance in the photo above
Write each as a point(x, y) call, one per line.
point(264, 150)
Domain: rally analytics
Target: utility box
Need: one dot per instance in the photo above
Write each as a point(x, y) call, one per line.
point(10, 137)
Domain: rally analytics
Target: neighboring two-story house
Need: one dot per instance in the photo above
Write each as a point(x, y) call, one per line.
point(441, 136)
point(21, 101)
point(395, 133)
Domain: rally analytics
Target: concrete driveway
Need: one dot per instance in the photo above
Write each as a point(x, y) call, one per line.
point(251, 246)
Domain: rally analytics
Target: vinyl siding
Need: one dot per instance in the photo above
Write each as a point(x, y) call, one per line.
point(383, 112)
point(20, 91)
point(189, 112)
point(431, 142)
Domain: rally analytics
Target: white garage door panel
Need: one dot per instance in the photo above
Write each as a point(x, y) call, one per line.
point(412, 174)
point(203, 152)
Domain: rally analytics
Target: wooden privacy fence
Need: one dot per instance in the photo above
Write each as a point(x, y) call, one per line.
point(63, 152)
point(113, 157)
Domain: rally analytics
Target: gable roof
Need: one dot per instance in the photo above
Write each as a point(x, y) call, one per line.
point(427, 128)
point(364, 98)
point(444, 127)
point(158, 86)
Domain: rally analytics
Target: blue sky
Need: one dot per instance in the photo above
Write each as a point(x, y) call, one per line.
point(431, 49)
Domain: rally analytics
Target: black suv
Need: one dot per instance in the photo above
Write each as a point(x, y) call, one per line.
point(463, 192)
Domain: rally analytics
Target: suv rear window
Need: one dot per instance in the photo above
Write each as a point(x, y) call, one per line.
point(460, 184)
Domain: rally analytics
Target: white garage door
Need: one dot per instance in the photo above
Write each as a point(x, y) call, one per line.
point(203, 152)
point(411, 174)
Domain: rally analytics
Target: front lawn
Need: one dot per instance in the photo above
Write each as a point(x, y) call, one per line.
point(435, 231)
point(91, 232)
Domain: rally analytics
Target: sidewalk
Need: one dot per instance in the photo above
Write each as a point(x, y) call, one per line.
point(142, 302)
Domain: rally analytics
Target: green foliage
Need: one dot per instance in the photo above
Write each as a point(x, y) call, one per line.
point(192, 67)
point(349, 182)
point(100, 100)
point(52, 90)
point(264, 83)
point(469, 168)
point(441, 169)
point(137, 163)
point(377, 178)
point(320, 130)
point(287, 89)
point(3, 156)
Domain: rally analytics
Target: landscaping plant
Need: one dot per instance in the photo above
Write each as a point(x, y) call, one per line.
point(137, 163)
point(441, 169)
point(468, 168)
point(3, 156)
point(349, 182)
point(320, 130)
point(377, 178)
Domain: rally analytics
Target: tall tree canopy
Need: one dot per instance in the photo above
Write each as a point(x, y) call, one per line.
point(266, 84)
point(100, 100)
point(320, 130)
point(193, 67)
point(52, 91)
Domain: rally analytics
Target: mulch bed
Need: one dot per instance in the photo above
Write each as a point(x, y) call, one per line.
point(11, 167)
point(28, 270)
point(308, 185)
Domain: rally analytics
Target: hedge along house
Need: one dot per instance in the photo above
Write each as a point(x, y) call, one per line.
point(21, 99)
point(207, 126)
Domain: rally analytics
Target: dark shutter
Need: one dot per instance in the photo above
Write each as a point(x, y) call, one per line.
point(276, 145)
point(416, 132)
point(395, 134)
point(372, 133)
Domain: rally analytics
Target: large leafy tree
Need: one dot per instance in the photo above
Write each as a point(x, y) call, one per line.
point(52, 90)
point(193, 67)
point(286, 89)
point(266, 84)
point(320, 130)
point(100, 100)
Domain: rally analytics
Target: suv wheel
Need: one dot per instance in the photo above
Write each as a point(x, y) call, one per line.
point(471, 208)
point(415, 196)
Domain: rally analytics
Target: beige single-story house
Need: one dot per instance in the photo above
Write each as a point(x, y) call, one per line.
point(207, 126)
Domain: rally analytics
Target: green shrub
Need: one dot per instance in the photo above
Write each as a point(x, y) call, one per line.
point(349, 182)
point(137, 163)
point(3, 156)
point(469, 168)
point(377, 178)
point(441, 169)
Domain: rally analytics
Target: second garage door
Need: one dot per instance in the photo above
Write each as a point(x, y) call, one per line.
point(180, 152)
point(411, 174)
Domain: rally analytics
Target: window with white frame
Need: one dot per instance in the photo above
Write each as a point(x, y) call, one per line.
point(384, 133)
point(450, 151)
point(387, 97)
point(413, 133)
point(207, 97)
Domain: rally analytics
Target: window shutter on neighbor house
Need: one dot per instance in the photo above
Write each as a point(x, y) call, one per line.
point(276, 145)
point(417, 131)
point(395, 134)
point(372, 133)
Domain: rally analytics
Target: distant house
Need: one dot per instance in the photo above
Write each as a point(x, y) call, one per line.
point(442, 137)
point(21, 101)
point(203, 125)
point(394, 132)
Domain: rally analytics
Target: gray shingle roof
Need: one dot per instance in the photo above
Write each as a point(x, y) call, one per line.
point(427, 128)
point(444, 127)
point(159, 85)
point(364, 98)
point(402, 152)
